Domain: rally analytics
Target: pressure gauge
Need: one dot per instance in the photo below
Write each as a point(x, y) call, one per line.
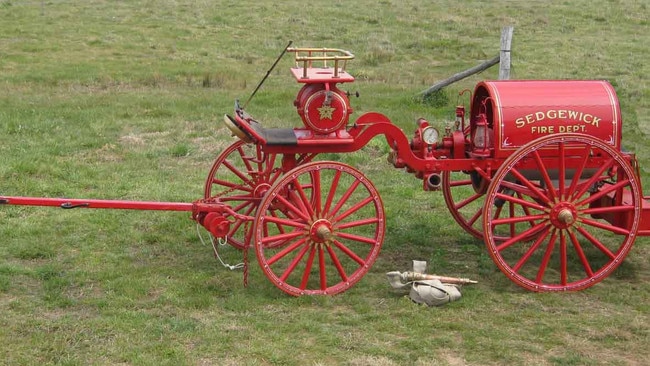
point(430, 135)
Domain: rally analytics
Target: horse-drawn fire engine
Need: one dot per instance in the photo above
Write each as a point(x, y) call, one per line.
point(533, 168)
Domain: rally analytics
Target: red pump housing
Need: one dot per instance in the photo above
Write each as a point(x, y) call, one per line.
point(323, 107)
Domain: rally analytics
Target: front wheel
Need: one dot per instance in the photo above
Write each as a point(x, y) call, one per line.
point(325, 231)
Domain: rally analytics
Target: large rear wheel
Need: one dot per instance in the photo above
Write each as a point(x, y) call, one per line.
point(583, 200)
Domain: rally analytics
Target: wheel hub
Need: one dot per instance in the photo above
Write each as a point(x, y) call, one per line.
point(321, 231)
point(563, 215)
point(261, 189)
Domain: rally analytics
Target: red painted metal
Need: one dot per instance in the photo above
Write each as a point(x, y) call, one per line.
point(325, 232)
point(564, 217)
point(519, 111)
point(94, 203)
point(530, 164)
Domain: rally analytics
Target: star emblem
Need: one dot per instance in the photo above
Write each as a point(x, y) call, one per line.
point(326, 112)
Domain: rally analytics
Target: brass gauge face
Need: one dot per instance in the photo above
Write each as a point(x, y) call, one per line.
point(430, 135)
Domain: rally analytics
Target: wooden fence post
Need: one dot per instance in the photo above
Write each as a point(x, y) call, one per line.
point(504, 56)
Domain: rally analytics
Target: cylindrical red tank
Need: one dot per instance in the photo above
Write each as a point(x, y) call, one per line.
point(507, 114)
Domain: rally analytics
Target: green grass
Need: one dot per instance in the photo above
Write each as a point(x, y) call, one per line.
point(123, 100)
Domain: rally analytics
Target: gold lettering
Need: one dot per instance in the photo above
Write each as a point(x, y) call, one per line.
point(529, 118)
point(520, 122)
point(595, 121)
point(558, 114)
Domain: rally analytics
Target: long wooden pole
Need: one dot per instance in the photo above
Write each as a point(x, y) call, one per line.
point(460, 76)
point(503, 58)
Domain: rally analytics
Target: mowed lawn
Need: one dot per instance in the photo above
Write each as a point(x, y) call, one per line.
point(124, 100)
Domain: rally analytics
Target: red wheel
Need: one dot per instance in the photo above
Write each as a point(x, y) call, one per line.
point(464, 195)
point(583, 199)
point(320, 243)
point(240, 176)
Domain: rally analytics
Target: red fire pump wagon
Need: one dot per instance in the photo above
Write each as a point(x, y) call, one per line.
point(533, 168)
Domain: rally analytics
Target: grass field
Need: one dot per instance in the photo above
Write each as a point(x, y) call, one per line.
point(123, 100)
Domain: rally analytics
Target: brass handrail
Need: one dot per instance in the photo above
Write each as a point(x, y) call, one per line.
point(307, 56)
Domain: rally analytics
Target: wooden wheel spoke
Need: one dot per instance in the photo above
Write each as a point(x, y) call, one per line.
point(238, 222)
point(245, 158)
point(518, 219)
point(322, 268)
point(607, 209)
point(249, 205)
point(530, 186)
point(316, 191)
point(460, 183)
point(580, 168)
point(232, 185)
point(463, 201)
point(596, 243)
point(594, 178)
point(472, 220)
point(600, 225)
point(332, 193)
point(547, 257)
point(285, 222)
point(304, 202)
point(356, 223)
point(581, 254)
point(532, 249)
point(307, 270)
point(280, 238)
point(349, 252)
point(515, 239)
point(526, 209)
point(520, 201)
point(337, 263)
point(357, 238)
point(266, 166)
point(243, 177)
point(562, 169)
point(294, 263)
point(246, 200)
point(345, 198)
point(468, 200)
point(292, 208)
point(603, 192)
point(547, 180)
point(281, 254)
point(353, 209)
point(518, 188)
point(563, 259)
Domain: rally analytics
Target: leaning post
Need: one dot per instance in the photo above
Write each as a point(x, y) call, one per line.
point(504, 56)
